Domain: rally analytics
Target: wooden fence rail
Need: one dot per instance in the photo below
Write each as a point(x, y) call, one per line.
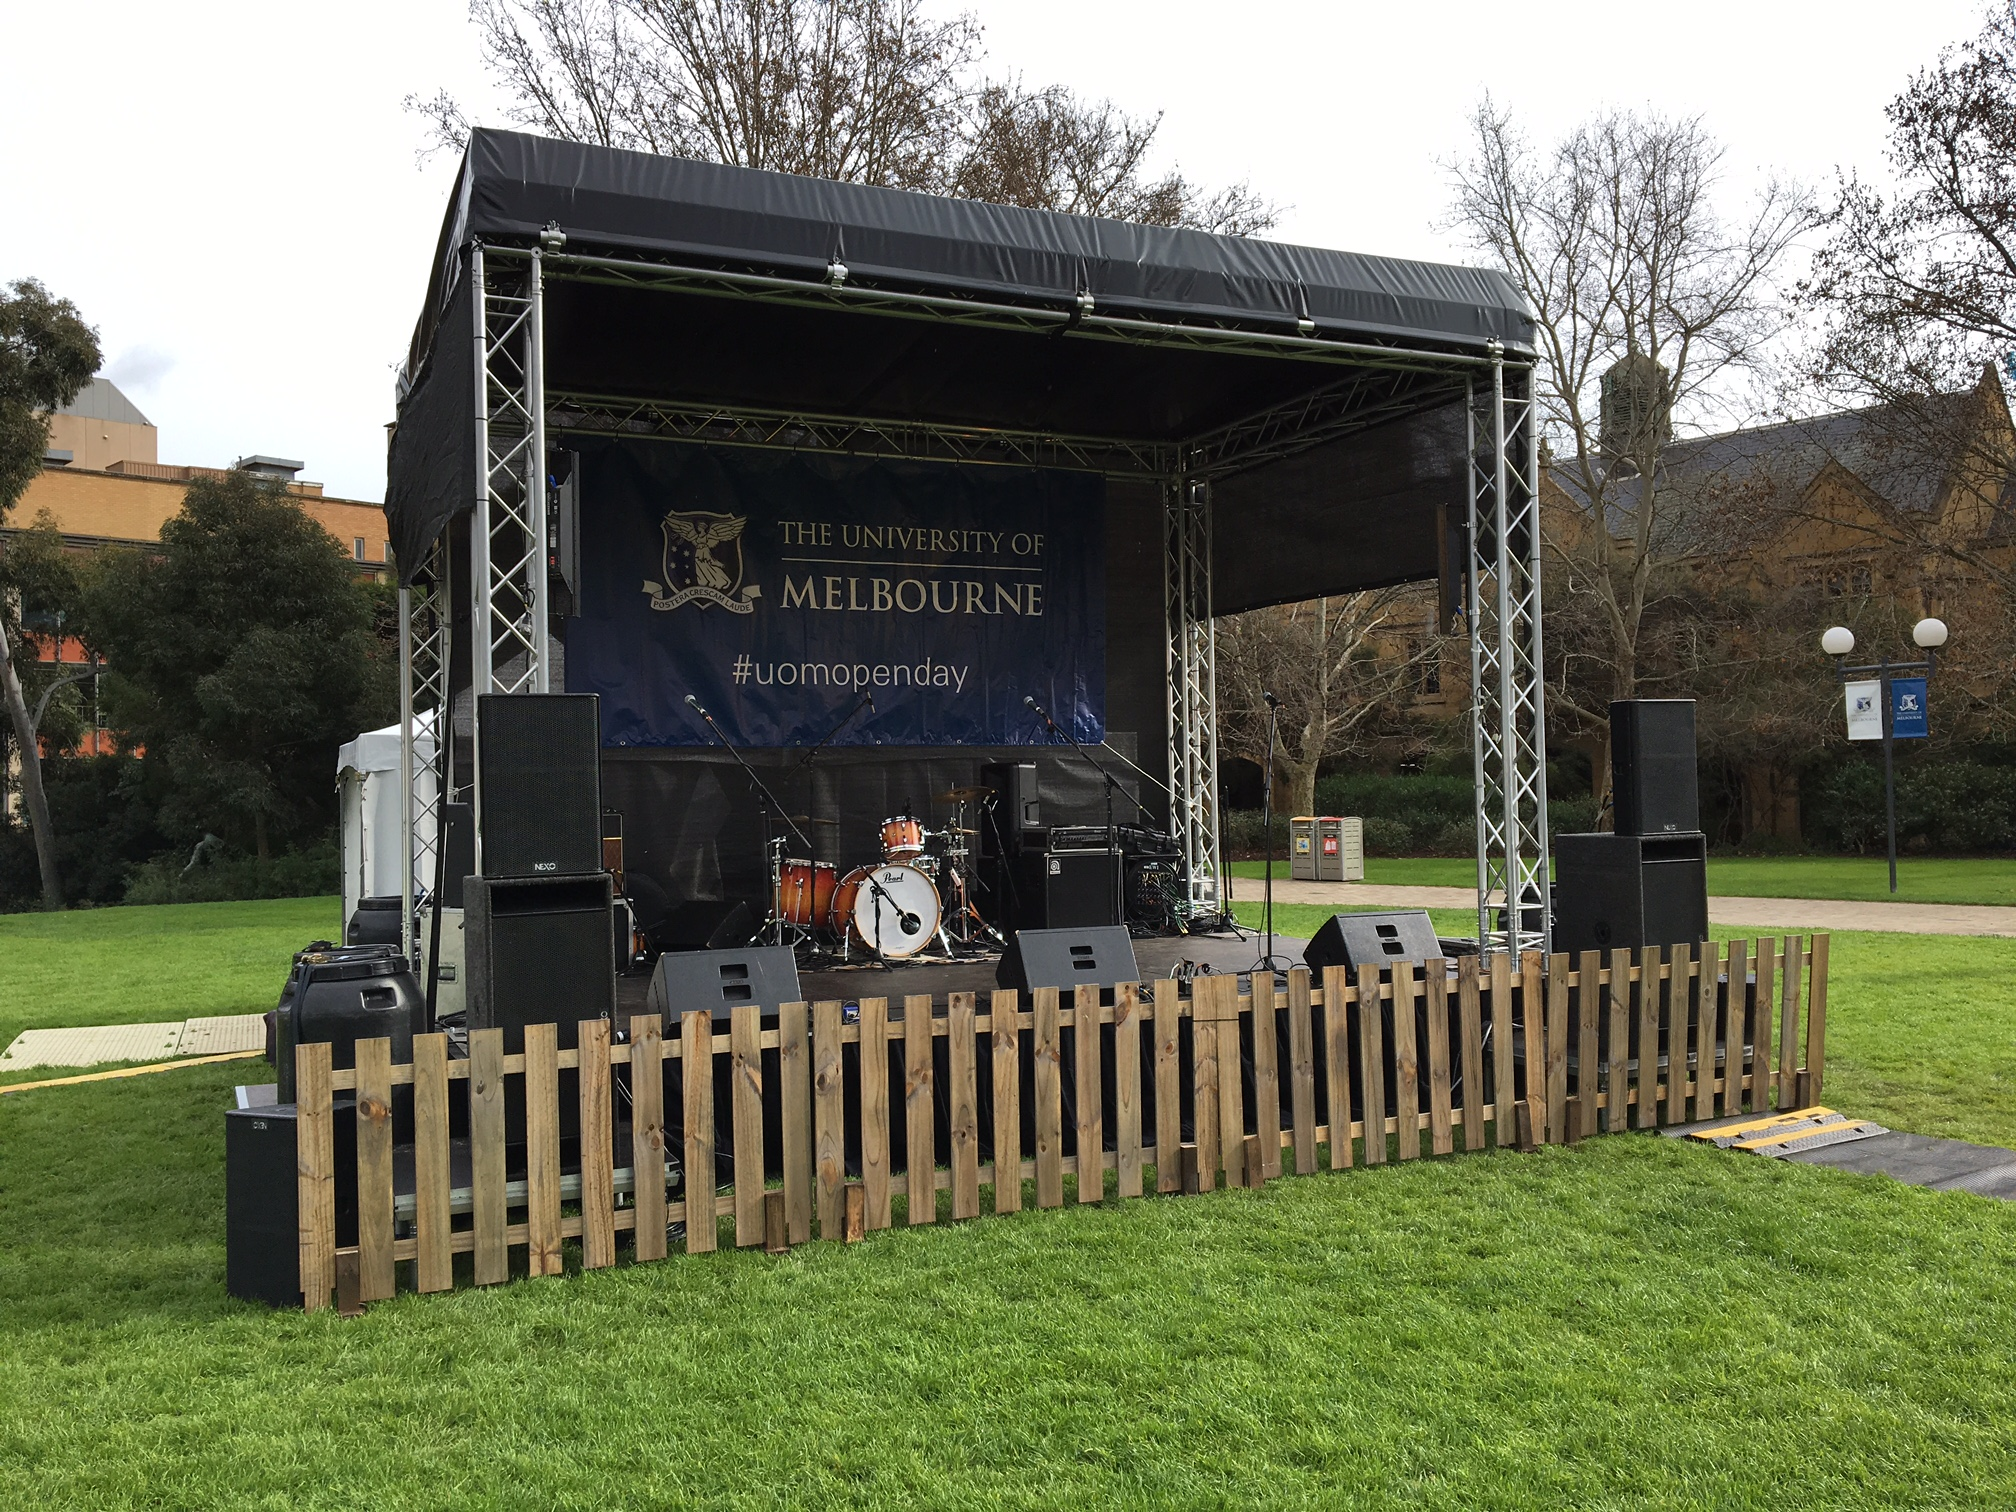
point(588, 1143)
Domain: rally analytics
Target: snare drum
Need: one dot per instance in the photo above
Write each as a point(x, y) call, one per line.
point(805, 891)
point(902, 837)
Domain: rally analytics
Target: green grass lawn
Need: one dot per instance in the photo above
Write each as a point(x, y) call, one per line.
point(150, 965)
point(1627, 1324)
point(1938, 879)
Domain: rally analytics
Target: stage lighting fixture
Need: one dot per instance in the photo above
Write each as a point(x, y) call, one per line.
point(1839, 641)
point(552, 238)
point(1305, 326)
point(836, 273)
point(1085, 302)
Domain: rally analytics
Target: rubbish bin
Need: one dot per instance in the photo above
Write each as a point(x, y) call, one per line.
point(1302, 849)
point(1340, 850)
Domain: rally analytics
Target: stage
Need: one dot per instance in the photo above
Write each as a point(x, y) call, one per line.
point(1159, 957)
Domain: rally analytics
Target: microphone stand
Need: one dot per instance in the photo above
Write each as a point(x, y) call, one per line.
point(765, 797)
point(1269, 962)
point(1112, 787)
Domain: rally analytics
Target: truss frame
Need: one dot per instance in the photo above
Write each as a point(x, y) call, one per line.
point(424, 630)
point(1190, 661)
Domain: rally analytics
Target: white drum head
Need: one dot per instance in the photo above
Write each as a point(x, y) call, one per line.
point(901, 917)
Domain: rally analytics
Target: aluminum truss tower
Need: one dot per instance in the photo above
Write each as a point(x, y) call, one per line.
point(1191, 660)
point(1507, 676)
point(424, 620)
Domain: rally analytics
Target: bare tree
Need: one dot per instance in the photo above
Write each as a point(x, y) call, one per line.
point(1648, 304)
point(869, 91)
point(1341, 667)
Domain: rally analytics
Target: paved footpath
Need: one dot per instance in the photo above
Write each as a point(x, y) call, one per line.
point(1738, 913)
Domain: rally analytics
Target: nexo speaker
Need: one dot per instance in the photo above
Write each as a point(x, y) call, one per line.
point(721, 980)
point(1352, 940)
point(1615, 892)
point(1653, 777)
point(1068, 958)
point(262, 1240)
point(540, 778)
point(538, 952)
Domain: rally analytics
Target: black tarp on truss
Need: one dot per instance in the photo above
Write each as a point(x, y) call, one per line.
point(1277, 371)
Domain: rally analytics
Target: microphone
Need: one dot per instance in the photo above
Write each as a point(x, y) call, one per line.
point(1272, 701)
point(1029, 700)
point(696, 706)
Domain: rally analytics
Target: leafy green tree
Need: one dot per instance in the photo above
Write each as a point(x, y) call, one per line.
point(240, 657)
point(47, 354)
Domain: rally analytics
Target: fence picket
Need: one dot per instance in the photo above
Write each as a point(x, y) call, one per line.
point(1701, 1007)
point(1231, 1081)
point(1738, 1028)
point(1816, 1019)
point(1302, 1071)
point(1204, 1078)
point(1589, 1012)
point(1372, 1064)
point(375, 1275)
point(1406, 1063)
point(1470, 1013)
point(794, 1073)
point(1049, 1110)
point(1007, 1044)
point(598, 1149)
point(1267, 1076)
point(1617, 1062)
point(1760, 1053)
point(1127, 1088)
point(1647, 1116)
point(1788, 1022)
point(1337, 1067)
point(1674, 999)
point(1441, 1125)
point(1090, 1114)
point(1168, 1088)
point(919, 1112)
point(315, 1162)
point(542, 1150)
point(1504, 1087)
point(647, 1133)
point(874, 1020)
point(829, 1116)
point(745, 1083)
point(435, 1267)
point(1557, 1049)
point(696, 1127)
point(486, 1155)
point(963, 1129)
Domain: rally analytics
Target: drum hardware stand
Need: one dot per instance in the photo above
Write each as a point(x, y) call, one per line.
point(774, 927)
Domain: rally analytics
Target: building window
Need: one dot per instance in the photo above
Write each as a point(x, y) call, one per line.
point(357, 547)
point(388, 551)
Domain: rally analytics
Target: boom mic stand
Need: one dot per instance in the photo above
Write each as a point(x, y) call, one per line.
point(773, 926)
point(1268, 962)
point(1112, 787)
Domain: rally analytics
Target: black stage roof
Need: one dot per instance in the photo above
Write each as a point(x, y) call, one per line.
point(1320, 391)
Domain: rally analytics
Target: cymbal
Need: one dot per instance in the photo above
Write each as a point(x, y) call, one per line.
point(964, 795)
point(953, 829)
point(807, 819)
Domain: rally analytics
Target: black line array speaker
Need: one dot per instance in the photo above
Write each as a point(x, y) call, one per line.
point(538, 951)
point(1068, 958)
point(1352, 940)
point(460, 858)
point(262, 1242)
point(1614, 892)
point(1656, 786)
point(541, 784)
point(721, 980)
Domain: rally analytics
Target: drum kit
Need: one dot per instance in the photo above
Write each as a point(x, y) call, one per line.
point(919, 894)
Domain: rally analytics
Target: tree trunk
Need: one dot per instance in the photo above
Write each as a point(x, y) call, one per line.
point(1300, 788)
point(31, 779)
point(259, 836)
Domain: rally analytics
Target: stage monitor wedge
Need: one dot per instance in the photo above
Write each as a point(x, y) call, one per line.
point(1352, 940)
point(1068, 958)
point(722, 980)
point(540, 778)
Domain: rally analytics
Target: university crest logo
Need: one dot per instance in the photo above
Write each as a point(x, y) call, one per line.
point(703, 563)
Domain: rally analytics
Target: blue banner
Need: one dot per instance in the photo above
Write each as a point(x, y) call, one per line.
point(1907, 709)
point(778, 589)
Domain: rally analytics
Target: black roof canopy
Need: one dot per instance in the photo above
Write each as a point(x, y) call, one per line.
point(1313, 386)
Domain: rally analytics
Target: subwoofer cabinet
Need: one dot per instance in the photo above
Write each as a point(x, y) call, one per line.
point(538, 951)
point(1616, 892)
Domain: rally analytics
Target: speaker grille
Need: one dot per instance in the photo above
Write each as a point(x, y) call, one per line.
point(542, 784)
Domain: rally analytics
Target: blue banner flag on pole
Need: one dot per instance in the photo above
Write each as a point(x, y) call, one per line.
point(1907, 709)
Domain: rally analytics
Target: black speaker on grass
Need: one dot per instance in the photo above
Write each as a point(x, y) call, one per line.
point(1102, 956)
point(1352, 940)
point(262, 1241)
point(540, 777)
point(721, 980)
point(1615, 892)
point(1655, 784)
point(538, 951)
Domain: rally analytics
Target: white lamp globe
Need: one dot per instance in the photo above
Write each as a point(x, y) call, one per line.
point(1930, 634)
point(1839, 641)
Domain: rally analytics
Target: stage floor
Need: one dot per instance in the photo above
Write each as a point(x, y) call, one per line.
point(1156, 957)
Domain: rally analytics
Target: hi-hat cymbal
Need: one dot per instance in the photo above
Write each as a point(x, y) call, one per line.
point(807, 819)
point(953, 829)
point(964, 795)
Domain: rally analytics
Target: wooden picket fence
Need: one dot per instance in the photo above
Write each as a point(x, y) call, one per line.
point(1541, 1050)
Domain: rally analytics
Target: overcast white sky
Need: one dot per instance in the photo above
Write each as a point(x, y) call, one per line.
point(229, 191)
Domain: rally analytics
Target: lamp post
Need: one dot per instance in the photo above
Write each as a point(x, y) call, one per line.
point(1928, 635)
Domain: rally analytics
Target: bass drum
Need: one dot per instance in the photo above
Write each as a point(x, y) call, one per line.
point(899, 919)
